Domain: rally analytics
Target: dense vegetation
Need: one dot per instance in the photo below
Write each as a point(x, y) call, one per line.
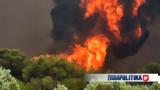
point(54, 73)
point(119, 86)
point(7, 82)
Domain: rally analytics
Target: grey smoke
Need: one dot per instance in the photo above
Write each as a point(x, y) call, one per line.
point(25, 25)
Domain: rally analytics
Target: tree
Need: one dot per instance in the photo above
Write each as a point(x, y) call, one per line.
point(119, 86)
point(74, 83)
point(14, 60)
point(7, 82)
point(53, 66)
point(61, 87)
point(46, 72)
point(48, 83)
point(45, 83)
point(151, 68)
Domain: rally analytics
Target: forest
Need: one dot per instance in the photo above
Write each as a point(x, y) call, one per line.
point(18, 72)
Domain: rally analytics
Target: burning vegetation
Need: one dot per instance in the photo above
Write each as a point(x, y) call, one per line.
point(91, 54)
point(85, 31)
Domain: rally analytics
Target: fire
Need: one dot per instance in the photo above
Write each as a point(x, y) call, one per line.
point(36, 58)
point(92, 54)
point(111, 10)
point(137, 4)
point(138, 31)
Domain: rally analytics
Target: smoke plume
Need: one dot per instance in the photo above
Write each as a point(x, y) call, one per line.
point(117, 25)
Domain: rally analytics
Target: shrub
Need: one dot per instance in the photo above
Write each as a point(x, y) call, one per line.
point(14, 60)
point(61, 87)
point(119, 86)
point(7, 82)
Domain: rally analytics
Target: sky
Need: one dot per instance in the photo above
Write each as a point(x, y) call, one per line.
point(27, 24)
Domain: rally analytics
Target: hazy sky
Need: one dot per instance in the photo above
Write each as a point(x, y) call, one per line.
point(26, 25)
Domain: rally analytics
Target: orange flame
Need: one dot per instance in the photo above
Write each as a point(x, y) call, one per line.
point(138, 31)
point(137, 4)
point(92, 54)
point(36, 58)
point(111, 10)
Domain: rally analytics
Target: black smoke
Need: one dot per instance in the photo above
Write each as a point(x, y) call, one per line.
point(147, 13)
point(66, 17)
point(68, 21)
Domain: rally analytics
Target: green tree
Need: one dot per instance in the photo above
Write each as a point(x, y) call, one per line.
point(46, 72)
point(119, 86)
point(46, 83)
point(53, 66)
point(155, 86)
point(7, 82)
point(61, 87)
point(151, 68)
point(33, 70)
point(14, 60)
point(74, 83)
